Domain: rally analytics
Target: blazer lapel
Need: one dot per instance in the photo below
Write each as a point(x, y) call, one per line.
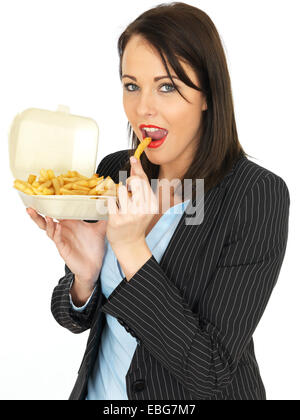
point(189, 239)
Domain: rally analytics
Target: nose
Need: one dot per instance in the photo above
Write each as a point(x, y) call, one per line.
point(146, 103)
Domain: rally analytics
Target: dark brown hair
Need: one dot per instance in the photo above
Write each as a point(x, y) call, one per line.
point(181, 31)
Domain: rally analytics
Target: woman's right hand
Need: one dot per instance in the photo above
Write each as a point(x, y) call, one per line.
point(80, 244)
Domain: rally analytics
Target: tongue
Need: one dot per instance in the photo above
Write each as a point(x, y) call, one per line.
point(156, 135)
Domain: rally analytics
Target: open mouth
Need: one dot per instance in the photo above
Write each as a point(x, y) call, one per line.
point(156, 133)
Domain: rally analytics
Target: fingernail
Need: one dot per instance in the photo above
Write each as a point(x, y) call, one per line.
point(133, 159)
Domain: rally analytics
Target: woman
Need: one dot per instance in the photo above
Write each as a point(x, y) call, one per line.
point(172, 304)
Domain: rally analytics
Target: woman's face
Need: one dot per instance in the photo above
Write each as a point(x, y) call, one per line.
point(151, 102)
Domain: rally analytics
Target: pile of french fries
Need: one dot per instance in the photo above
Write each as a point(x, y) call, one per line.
point(69, 183)
point(72, 182)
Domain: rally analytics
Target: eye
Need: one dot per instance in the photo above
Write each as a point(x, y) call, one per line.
point(169, 85)
point(126, 86)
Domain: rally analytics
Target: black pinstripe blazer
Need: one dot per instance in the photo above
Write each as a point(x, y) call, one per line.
point(195, 312)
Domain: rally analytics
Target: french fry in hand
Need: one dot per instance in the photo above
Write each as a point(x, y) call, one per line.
point(142, 146)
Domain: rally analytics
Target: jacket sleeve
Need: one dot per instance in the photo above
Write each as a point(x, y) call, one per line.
point(63, 311)
point(61, 306)
point(202, 350)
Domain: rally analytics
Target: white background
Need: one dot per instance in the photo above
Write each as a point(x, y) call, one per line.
point(65, 52)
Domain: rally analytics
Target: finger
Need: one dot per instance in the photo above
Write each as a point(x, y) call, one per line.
point(50, 227)
point(70, 223)
point(66, 227)
point(57, 237)
point(123, 199)
point(138, 186)
point(38, 219)
point(112, 207)
point(136, 167)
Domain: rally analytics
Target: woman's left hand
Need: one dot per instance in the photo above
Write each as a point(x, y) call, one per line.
point(127, 224)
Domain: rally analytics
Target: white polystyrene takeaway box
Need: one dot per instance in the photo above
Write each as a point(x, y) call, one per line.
point(57, 140)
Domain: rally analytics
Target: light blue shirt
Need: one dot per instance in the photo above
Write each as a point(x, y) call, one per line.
point(108, 378)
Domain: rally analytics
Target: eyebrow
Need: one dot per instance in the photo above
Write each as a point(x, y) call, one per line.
point(155, 78)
